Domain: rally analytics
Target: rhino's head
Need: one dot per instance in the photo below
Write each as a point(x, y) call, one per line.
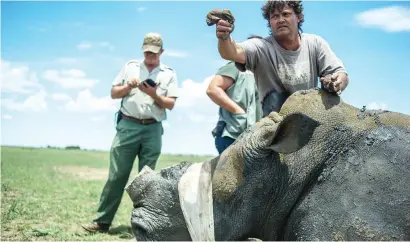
point(258, 179)
point(157, 215)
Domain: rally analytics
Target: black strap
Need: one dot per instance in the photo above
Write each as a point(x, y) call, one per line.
point(117, 115)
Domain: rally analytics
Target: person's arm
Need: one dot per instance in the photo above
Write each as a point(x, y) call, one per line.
point(330, 66)
point(245, 54)
point(226, 46)
point(162, 101)
point(231, 51)
point(341, 81)
point(120, 91)
point(120, 87)
point(336, 82)
point(217, 93)
point(165, 102)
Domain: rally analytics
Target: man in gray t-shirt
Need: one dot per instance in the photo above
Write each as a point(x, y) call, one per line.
point(286, 61)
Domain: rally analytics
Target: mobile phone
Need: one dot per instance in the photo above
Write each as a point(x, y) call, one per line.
point(150, 82)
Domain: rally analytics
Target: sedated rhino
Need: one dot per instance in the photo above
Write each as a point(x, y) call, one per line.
point(320, 169)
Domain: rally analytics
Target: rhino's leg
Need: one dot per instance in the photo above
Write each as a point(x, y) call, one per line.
point(364, 196)
point(157, 215)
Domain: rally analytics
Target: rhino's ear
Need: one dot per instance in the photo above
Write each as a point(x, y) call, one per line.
point(293, 133)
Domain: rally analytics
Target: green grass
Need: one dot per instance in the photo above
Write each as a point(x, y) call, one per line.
point(46, 194)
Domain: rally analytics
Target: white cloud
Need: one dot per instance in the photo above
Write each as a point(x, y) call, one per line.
point(175, 53)
point(60, 97)
point(193, 92)
point(98, 118)
point(18, 79)
point(107, 45)
point(86, 102)
point(141, 9)
point(69, 79)
point(376, 106)
point(7, 116)
point(390, 19)
point(193, 118)
point(165, 124)
point(35, 103)
point(84, 45)
point(199, 118)
point(195, 103)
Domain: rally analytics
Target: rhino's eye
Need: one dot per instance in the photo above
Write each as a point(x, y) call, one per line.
point(137, 204)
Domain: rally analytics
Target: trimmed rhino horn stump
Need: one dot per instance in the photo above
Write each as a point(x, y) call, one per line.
point(131, 189)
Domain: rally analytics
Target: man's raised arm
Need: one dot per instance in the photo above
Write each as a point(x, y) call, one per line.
point(225, 24)
point(227, 48)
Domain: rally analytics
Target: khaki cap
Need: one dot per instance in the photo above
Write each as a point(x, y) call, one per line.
point(152, 43)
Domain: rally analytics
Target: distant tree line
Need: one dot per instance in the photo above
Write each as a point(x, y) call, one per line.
point(70, 147)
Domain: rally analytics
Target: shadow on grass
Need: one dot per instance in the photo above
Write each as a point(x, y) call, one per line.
point(122, 231)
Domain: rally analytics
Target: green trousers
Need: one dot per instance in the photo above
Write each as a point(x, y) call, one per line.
point(130, 141)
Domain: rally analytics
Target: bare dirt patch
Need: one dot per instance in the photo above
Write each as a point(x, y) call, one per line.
point(84, 172)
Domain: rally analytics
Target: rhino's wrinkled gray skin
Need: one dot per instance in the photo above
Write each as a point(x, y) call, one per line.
point(363, 195)
point(157, 213)
point(320, 169)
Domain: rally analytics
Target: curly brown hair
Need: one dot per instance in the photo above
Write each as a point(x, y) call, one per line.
point(271, 5)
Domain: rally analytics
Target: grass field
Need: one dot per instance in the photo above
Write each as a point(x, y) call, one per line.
point(47, 193)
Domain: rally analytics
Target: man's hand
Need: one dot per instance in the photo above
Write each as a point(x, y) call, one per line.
point(121, 91)
point(151, 91)
point(327, 82)
point(239, 111)
point(340, 82)
point(224, 21)
point(336, 82)
point(133, 83)
point(223, 29)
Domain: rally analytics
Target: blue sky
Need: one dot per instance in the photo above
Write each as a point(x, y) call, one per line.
point(58, 60)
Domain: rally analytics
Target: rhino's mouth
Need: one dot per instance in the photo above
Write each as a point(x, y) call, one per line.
point(140, 227)
point(157, 213)
point(141, 218)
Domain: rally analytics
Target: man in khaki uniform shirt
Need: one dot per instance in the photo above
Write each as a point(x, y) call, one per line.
point(139, 123)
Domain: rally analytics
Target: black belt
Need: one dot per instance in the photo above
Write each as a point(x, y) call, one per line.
point(140, 121)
